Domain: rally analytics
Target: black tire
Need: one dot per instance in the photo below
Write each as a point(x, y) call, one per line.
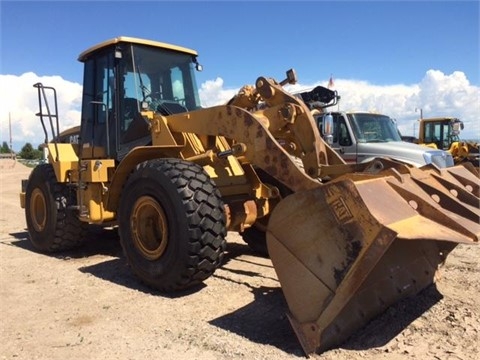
point(256, 239)
point(51, 225)
point(172, 224)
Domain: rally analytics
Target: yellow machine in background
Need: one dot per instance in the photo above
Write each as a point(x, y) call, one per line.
point(346, 241)
point(443, 133)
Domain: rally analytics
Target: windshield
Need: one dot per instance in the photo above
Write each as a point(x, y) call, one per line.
point(162, 80)
point(374, 128)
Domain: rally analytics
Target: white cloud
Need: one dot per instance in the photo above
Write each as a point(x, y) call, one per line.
point(212, 93)
point(19, 100)
point(437, 94)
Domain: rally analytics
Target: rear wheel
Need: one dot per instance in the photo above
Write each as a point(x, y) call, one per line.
point(51, 225)
point(172, 224)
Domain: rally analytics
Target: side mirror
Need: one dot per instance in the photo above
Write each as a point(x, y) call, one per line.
point(198, 66)
point(456, 128)
point(327, 128)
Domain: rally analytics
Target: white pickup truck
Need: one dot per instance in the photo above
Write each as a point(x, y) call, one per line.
point(361, 136)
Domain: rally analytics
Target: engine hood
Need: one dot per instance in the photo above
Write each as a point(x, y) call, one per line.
point(413, 154)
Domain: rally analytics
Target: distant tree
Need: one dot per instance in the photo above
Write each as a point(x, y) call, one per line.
point(5, 149)
point(29, 153)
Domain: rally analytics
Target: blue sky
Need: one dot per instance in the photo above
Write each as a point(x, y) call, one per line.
point(382, 44)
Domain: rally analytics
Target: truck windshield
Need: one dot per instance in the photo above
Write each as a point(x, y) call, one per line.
point(374, 128)
point(161, 78)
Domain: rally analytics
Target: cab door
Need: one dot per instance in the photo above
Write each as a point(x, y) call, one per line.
point(97, 138)
point(343, 142)
point(97, 145)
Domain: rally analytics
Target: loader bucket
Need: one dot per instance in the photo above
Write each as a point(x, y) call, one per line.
point(347, 250)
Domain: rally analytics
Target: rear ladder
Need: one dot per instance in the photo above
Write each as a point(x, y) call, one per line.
point(52, 117)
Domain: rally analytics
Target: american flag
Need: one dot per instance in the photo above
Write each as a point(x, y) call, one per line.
point(330, 82)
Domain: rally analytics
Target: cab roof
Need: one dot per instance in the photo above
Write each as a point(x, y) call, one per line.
point(435, 119)
point(131, 40)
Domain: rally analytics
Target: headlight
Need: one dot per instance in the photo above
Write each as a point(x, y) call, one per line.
point(441, 159)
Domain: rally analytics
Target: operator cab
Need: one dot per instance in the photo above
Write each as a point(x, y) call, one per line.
point(125, 76)
point(442, 131)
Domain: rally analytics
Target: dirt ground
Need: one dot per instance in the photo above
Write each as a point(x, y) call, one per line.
point(86, 304)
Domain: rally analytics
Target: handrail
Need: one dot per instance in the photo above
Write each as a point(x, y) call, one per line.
point(43, 100)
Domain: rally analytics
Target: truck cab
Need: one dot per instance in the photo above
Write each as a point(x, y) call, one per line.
point(361, 136)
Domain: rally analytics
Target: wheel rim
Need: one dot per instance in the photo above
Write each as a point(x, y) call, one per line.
point(149, 227)
point(38, 210)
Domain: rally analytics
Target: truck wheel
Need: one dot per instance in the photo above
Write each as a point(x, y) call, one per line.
point(172, 224)
point(51, 226)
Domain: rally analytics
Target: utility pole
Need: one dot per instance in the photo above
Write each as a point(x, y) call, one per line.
point(10, 131)
point(421, 117)
point(421, 112)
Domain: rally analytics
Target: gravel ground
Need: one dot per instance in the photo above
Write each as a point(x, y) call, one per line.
point(86, 304)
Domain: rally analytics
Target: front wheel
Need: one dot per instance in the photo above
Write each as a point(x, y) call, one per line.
point(256, 238)
point(172, 224)
point(52, 226)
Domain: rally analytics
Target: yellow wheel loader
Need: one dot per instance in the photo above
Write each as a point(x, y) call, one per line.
point(443, 133)
point(346, 241)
